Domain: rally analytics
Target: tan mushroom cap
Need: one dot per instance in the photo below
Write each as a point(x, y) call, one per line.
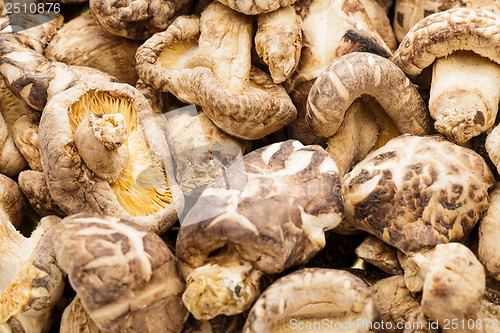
point(253, 7)
point(442, 33)
point(207, 62)
point(125, 277)
point(144, 190)
point(310, 296)
point(417, 192)
point(137, 19)
point(355, 74)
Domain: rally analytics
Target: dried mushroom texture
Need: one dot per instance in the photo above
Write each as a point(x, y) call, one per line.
point(11, 200)
point(407, 13)
point(266, 213)
point(205, 155)
point(379, 254)
point(253, 7)
point(278, 41)
point(125, 277)
point(83, 42)
point(207, 61)
point(381, 22)
point(466, 73)
point(349, 30)
point(25, 136)
point(137, 19)
point(35, 189)
point(29, 75)
point(417, 192)
point(489, 233)
point(76, 320)
point(301, 300)
point(353, 129)
point(102, 152)
point(31, 281)
point(226, 324)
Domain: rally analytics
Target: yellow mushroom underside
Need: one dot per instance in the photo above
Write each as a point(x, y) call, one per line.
point(176, 54)
point(142, 188)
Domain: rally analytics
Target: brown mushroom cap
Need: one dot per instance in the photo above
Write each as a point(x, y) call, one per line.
point(125, 277)
point(417, 192)
point(137, 19)
point(355, 74)
point(145, 190)
point(312, 296)
point(216, 73)
point(442, 33)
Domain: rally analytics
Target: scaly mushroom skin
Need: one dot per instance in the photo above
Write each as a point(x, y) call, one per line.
point(75, 152)
point(464, 95)
point(31, 282)
point(343, 81)
point(489, 233)
point(417, 192)
point(125, 277)
point(313, 296)
point(207, 61)
point(267, 212)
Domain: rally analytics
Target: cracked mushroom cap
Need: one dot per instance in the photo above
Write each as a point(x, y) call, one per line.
point(125, 277)
point(137, 19)
point(207, 61)
point(310, 295)
point(102, 152)
point(266, 213)
point(31, 282)
point(417, 192)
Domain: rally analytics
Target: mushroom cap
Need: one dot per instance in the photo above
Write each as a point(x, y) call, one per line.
point(253, 7)
point(417, 192)
point(260, 108)
point(125, 277)
point(489, 234)
point(442, 33)
point(34, 188)
point(137, 19)
point(355, 74)
point(25, 135)
point(313, 294)
point(145, 192)
point(11, 200)
point(272, 207)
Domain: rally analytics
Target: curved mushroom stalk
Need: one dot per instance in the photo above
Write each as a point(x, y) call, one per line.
point(266, 213)
point(207, 63)
point(489, 233)
point(408, 192)
point(379, 254)
point(319, 300)
point(102, 151)
point(355, 125)
point(278, 41)
point(34, 187)
point(125, 277)
point(31, 282)
point(25, 134)
point(464, 88)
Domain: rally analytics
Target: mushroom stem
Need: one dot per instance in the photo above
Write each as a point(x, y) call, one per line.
point(464, 95)
point(99, 139)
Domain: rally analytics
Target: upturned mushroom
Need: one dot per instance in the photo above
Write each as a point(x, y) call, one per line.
point(316, 300)
point(102, 151)
point(31, 282)
point(464, 93)
point(353, 127)
point(266, 213)
point(417, 192)
point(125, 277)
point(206, 61)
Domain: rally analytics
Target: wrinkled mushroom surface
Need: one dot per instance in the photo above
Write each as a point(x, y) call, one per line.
point(417, 192)
point(253, 7)
point(76, 320)
point(84, 128)
point(489, 233)
point(25, 134)
point(35, 189)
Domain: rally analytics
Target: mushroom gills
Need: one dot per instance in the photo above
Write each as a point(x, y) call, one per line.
point(464, 95)
point(177, 54)
point(141, 188)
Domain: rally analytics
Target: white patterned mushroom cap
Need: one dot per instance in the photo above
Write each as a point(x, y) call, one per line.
point(417, 192)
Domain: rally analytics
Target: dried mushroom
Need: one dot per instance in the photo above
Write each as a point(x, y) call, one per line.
point(379, 254)
point(489, 234)
point(83, 42)
point(466, 72)
point(253, 7)
point(34, 187)
point(266, 213)
point(76, 320)
point(349, 30)
point(25, 134)
point(11, 200)
point(137, 19)
point(278, 41)
point(417, 192)
point(381, 22)
point(31, 282)
point(207, 61)
point(355, 129)
point(316, 300)
point(125, 277)
point(219, 324)
point(102, 152)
